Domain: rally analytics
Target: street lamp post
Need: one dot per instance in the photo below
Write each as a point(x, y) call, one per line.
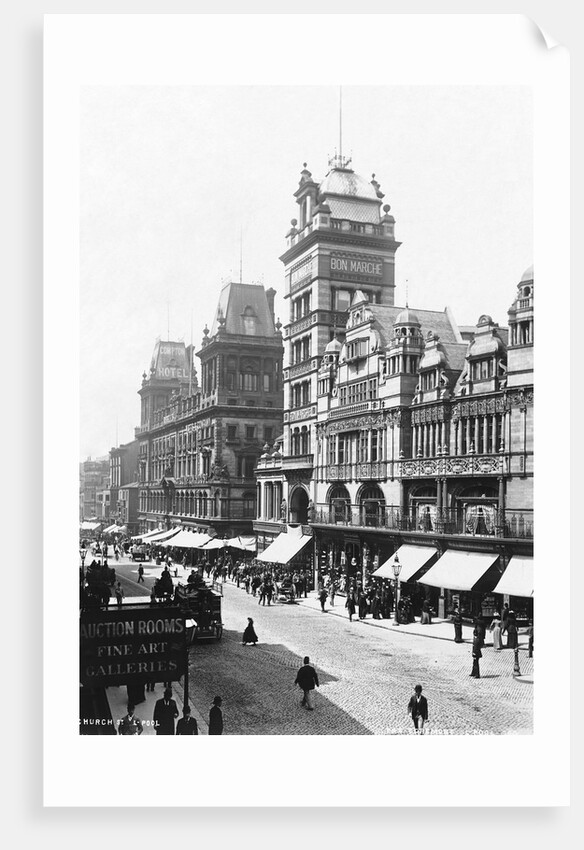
point(396, 567)
point(82, 554)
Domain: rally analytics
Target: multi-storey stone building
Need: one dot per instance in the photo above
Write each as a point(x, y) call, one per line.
point(400, 429)
point(199, 442)
point(93, 481)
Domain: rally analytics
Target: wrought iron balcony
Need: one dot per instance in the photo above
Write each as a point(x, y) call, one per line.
point(473, 520)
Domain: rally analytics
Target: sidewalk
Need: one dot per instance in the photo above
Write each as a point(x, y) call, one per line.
point(440, 629)
point(118, 700)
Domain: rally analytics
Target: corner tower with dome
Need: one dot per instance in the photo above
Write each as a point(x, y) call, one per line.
point(342, 241)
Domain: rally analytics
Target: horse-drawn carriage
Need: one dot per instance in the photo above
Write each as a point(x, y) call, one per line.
point(201, 606)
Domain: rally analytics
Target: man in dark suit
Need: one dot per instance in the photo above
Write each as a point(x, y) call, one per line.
point(418, 709)
point(306, 679)
point(187, 725)
point(165, 713)
point(476, 653)
point(216, 717)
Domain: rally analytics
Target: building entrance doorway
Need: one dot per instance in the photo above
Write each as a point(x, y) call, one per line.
point(299, 506)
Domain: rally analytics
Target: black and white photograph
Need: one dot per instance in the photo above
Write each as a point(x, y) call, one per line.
point(307, 389)
point(306, 433)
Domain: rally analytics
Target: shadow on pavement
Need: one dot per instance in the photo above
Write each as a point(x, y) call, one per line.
point(258, 690)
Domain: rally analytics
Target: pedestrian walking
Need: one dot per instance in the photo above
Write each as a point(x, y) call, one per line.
point(425, 619)
point(269, 591)
point(512, 635)
point(504, 618)
point(141, 574)
point(119, 594)
point(476, 653)
point(362, 605)
point(323, 595)
point(456, 618)
point(150, 687)
point(495, 628)
point(187, 725)
point(165, 713)
point(350, 604)
point(376, 606)
point(130, 724)
point(530, 639)
point(216, 717)
point(306, 679)
point(249, 635)
point(418, 709)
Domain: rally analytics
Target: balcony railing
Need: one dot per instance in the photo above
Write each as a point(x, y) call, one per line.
point(376, 470)
point(514, 524)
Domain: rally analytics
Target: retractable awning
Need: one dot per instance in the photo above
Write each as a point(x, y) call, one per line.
point(215, 543)
point(248, 544)
point(517, 580)
point(285, 547)
point(459, 570)
point(163, 535)
point(412, 560)
point(148, 535)
point(186, 540)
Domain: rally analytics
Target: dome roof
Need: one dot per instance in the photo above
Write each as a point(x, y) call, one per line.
point(343, 181)
point(527, 275)
point(333, 347)
point(407, 317)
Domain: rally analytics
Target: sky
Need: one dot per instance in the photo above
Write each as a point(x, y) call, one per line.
point(178, 184)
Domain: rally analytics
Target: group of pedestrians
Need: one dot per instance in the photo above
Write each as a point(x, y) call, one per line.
point(504, 623)
point(164, 717)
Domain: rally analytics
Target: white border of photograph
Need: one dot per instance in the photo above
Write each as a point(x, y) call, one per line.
point(122, 49)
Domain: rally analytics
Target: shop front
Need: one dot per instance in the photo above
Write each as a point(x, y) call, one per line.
point(413, 562)
point(515, 587)
point(465, 580)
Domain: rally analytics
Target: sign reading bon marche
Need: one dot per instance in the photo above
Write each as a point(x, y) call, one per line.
point(132, 645)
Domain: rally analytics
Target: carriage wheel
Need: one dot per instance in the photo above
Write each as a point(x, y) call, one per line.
point(219, 632)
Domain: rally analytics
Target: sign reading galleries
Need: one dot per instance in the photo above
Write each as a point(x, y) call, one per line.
point(132, 645)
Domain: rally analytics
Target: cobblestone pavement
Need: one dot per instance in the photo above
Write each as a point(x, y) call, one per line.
point(366, 677)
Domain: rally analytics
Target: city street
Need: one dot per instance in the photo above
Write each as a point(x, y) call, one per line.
point(367, 673)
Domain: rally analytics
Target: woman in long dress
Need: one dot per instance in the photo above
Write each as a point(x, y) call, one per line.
point(512, 639)
point(495, 628)
point(249, 635)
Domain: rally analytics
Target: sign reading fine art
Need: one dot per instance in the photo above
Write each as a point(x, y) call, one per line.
point(136, 645)
point(356, 265)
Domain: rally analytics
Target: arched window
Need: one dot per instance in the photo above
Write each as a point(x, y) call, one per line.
point(340, 504)
point(372, 502)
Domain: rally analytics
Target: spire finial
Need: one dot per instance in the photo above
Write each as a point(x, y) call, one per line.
point(407, 305)
point(341, 122)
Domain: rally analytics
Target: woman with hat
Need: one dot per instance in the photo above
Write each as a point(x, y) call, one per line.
point(495, 628)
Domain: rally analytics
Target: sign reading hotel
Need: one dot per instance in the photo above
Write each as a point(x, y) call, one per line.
point(171, 361)
point(132, 645)
point(357, 265)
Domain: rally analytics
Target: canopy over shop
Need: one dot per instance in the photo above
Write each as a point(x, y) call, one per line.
point(285, 547)
point(517, 583)
point(468, 579)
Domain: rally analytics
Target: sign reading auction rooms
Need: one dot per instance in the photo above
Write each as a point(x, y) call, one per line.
point(132, 645)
